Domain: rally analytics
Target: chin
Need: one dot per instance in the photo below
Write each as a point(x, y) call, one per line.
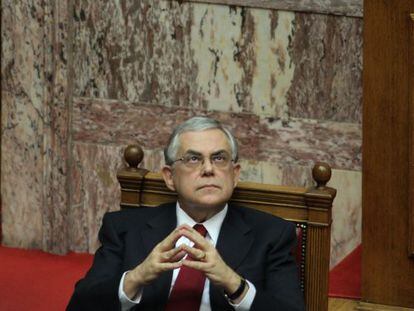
point(211, 203)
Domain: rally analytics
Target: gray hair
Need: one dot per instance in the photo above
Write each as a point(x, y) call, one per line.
point(197, 124)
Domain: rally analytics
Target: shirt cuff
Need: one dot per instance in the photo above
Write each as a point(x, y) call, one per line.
point(247, 300)
point(127, 303)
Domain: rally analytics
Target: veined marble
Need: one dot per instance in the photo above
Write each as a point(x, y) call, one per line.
point(346, 213)
point(304, 141)
point(21, 173)
point(266, 62)
point(327, 83)
point(95, 190)
point(35, 124)
point(56, 107)
point(295, 141)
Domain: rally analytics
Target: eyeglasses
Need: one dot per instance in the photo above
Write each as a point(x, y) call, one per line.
point(195, 161)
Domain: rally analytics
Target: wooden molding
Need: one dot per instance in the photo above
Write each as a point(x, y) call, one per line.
point(365, 306)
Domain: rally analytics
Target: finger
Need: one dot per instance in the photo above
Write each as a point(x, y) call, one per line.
point(184, 226)
point(198, 265)
point(166, 266)
point(197, 238)
point(169, 242)
point(195, 253)
point(169, 255)
point(178, 256)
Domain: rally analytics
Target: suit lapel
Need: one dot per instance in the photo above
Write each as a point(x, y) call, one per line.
point(233, 244)
point(155, 231)
point(235, 239)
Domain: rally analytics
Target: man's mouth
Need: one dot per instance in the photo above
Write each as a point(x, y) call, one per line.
point(208, 186)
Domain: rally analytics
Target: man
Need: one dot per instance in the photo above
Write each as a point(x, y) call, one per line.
point(197, 254)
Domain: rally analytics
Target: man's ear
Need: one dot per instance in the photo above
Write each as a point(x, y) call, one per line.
point(236, 174)
point(167, 174)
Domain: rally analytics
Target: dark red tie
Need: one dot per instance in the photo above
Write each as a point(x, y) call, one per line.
point(189, 285)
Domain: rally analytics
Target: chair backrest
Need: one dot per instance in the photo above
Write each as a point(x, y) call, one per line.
point(309, 208)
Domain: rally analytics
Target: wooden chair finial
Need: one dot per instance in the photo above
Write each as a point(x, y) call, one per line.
point(133, 155)
point(321, 173)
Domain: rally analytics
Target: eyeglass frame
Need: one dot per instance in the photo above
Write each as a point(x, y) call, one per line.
point(199, 165)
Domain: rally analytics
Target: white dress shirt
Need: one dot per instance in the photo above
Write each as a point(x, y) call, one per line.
point(213, 226)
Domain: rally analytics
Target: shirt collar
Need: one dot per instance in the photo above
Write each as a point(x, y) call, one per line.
point(213, 225)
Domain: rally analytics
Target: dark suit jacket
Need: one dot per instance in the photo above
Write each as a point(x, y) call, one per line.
point(255, 244)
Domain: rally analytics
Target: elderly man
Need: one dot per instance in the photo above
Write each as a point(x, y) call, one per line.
point(200, 253)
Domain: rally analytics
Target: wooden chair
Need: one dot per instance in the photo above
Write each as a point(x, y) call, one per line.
point(309, 208)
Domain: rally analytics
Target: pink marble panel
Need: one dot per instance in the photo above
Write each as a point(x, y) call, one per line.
point(304, 142)
point(261, 172)
point(327, 83)
point(56, 124)
point(276, 173)
point(35, 122)
point(153, 159)
point(346, 214)
point(297, 175)
point(21, 173)
point(135, 50)
point(267, 62)
point(298, 142)
point(95, 190)
point(22, 124)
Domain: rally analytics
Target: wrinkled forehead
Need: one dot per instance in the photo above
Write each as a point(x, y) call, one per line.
point(204, 142)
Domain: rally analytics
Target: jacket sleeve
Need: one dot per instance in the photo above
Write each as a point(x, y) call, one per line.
point(281, 289)
point(98, 290)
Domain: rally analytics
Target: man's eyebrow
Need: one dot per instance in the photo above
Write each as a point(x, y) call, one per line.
point(193, 152)
point(220, 152)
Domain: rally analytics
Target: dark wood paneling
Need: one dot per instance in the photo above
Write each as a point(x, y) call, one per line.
point(387, 269)
point(411, 152)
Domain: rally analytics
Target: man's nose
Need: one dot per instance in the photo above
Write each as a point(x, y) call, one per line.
point(207, 166)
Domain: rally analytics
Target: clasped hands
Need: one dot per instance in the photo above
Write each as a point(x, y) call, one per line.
point(165, 256)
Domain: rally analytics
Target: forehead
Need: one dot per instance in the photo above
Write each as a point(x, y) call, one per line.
point(204, 141)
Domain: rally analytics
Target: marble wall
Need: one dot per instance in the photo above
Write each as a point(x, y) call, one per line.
point(35, 122)
point(287, 81)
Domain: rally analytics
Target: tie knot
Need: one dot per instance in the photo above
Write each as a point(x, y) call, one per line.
point(200, 229)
